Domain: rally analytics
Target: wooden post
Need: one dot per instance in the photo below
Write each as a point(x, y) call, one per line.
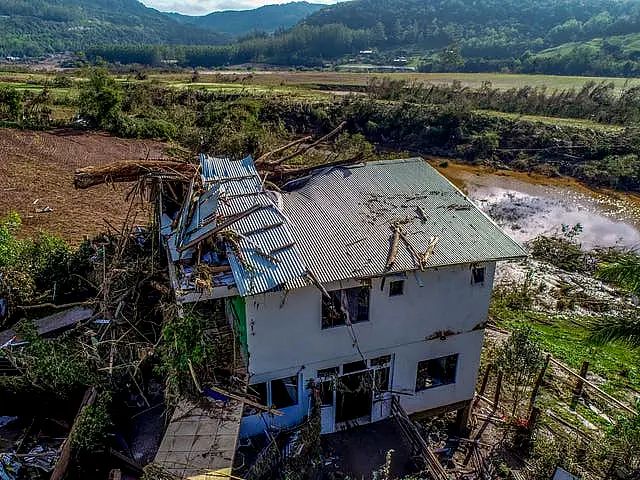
point(577, 393)
point(487, 372)
point(462, 419)
point(496, 399)
point(65, 452)
point(533, 418)
point(538, 383)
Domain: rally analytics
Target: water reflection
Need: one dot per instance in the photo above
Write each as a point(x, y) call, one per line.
point(526, 210)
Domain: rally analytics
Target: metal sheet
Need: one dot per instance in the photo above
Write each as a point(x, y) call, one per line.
point(342, 220)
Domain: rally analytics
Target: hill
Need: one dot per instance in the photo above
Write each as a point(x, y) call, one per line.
point(240, 22)
point(458, 35)
point(35, 27)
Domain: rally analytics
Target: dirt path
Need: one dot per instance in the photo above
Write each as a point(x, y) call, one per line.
point(36, 171)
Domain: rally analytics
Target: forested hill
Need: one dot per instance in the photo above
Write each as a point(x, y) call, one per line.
point(34, 27)
point(267, 19)
point(456, 32)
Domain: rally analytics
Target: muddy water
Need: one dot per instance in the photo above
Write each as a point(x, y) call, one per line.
point(530, 205)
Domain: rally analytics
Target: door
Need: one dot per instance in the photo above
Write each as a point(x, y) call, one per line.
point(381, 396)
point(327, 407)
point(354, 397)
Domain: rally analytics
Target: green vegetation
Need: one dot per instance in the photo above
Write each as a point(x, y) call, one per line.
point(36, 27)
point(58, 367)
point(544, 36)
point(185, 347)
point(42, 268)
point(90, 436)
point(519, 358)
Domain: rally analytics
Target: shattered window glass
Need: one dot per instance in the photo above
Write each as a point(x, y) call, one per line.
point(344, 306)
point(436, 372)
point(284, 392)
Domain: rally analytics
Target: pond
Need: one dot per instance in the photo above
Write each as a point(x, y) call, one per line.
point(527, 205)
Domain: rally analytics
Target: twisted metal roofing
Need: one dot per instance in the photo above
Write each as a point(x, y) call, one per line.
point(268, 256)
point(342, 219)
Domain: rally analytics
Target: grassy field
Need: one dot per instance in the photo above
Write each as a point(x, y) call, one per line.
point(566, 337)
point(329, 80)
point(316, 80)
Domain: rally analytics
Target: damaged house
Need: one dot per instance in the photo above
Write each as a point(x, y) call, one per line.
point(357, 284)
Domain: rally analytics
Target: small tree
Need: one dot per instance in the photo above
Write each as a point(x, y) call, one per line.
point(519, 359)
point(100, 99)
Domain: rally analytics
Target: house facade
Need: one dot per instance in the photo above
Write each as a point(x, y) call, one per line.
point(350, 286)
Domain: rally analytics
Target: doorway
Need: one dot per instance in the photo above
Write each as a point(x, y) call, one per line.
point(354, 397)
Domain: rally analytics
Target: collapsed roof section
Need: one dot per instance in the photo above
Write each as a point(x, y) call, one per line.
point(231, 231)
point(339, 223)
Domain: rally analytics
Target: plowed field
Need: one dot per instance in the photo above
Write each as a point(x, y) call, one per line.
point(36, 172)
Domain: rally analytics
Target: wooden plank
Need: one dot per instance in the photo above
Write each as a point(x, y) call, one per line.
point(577, 393)
point(246, 400)
point(65, 453)
point(613, 400)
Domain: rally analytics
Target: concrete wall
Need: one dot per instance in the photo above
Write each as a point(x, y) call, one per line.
point(284, 328)
point(285, 337)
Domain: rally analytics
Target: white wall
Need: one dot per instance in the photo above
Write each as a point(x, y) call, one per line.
point(284, 328)
point(403, 379)
point(285, 337)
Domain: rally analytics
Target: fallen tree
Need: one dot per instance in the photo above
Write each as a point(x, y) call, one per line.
point(131, 171)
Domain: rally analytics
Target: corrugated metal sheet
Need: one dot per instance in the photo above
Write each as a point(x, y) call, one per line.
point(267, 257)
point(342, 220)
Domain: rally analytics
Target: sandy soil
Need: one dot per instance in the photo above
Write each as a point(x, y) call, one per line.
point(36, 171)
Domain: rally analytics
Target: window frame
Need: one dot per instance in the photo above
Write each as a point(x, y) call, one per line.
point(334, 304)
point(396, 293)
point(269, 392)
point(453, 380)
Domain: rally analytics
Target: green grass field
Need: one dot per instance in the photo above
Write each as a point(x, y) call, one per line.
point(319, 85)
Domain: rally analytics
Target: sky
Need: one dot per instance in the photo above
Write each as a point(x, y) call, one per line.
point(202, 7)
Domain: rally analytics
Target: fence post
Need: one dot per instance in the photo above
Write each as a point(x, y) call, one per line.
point(483, 387)
point(496, 398)
point(577, 393)
point(538, 383)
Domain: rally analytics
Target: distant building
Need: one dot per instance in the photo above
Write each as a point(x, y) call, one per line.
point(355, 284)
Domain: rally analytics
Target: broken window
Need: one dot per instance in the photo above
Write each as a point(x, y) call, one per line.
point(380, 361)
point(396, 288)
point(436, 372)
point(326, 393)
point(350, 305)
point(477, 275)
point(354, 367)
point(259, 392)
point(284, 392)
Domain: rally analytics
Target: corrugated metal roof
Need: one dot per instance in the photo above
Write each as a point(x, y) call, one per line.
point(267, 256)
point(342, 220)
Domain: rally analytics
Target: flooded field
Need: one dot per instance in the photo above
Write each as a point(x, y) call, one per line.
point(530, 205)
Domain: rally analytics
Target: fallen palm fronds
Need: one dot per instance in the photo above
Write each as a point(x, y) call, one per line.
point(131, 171)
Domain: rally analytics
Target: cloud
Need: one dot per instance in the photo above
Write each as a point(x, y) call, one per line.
point(202, 7)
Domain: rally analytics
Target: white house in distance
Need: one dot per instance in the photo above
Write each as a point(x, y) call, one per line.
point(363, 282)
